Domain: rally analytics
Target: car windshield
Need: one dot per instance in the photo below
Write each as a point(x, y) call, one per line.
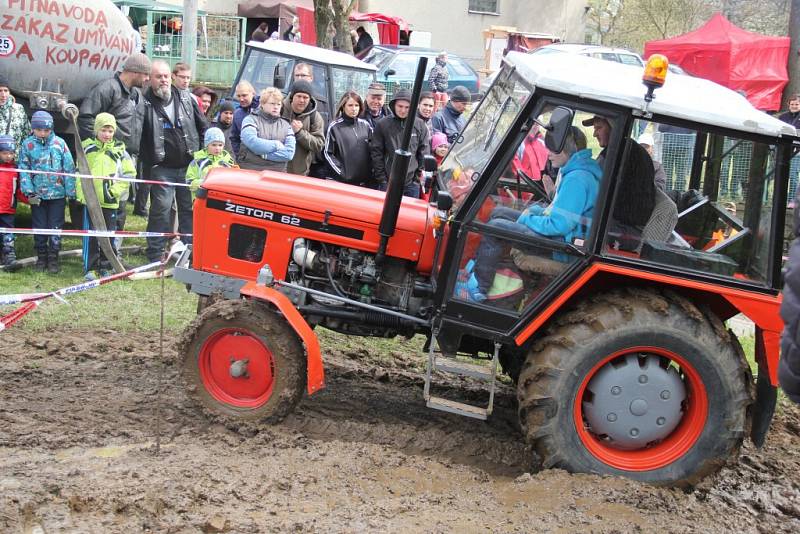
point(377, 56)
point(346, 79)
point(469, 156)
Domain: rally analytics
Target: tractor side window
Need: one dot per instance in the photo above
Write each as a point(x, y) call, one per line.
point(714, 218)
point(246, 243)
point(534, 224)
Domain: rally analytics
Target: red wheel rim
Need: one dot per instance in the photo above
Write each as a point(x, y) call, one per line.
point(249, 391)
point(674, 446)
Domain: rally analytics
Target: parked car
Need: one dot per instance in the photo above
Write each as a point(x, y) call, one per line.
point(271, 64)
point(620, 55)
point(397, 66)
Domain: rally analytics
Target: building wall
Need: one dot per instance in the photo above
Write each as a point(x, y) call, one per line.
point(219, 7)
point(453, 28)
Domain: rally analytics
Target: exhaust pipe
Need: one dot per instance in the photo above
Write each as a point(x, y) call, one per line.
point(397, 175)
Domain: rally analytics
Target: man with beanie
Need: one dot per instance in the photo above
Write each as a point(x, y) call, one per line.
point(213, 155)
point(386, 138)
point(106, 157)
point(171, 131)
point(448, 120)
point(13, 120)
point(375, 109)
point(47, 193)
point(224, 122)
point(300, 109)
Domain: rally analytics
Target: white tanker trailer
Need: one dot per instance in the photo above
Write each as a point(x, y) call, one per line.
point(55, 51)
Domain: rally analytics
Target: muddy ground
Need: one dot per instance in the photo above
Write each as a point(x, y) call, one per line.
point(78, 424)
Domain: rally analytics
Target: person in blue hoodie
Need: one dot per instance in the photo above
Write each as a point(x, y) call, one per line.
point(567, 218)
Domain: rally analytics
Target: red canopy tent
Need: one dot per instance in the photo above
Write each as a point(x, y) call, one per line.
point(724, 53)
point(388, 27)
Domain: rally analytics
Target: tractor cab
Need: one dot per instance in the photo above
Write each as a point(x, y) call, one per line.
point(714, 209)
point(271, 64)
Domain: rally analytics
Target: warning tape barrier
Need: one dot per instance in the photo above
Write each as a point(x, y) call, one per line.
point(93, 177)
point(88, 233)
point(16, 315)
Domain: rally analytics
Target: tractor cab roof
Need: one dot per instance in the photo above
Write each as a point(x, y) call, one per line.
point(681, 97)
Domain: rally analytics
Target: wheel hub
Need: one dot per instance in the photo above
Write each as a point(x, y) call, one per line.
point(238, 368)
point(634, 401)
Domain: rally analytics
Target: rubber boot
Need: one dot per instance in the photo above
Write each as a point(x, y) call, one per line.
point(52, 262)
point(41, 262)
point(10, 263)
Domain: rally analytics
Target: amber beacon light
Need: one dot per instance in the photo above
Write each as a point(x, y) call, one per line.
point(655, 72)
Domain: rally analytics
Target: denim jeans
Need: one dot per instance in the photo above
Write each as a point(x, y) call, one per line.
point(491, 248)
point(161, 199)
point(410, 190)
point(48, 214)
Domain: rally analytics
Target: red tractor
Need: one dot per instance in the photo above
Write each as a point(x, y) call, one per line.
point(615, 336)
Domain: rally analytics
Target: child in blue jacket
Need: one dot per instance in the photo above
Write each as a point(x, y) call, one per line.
point(48, 193)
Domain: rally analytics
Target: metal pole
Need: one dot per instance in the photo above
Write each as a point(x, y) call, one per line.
point(189, 33)
point(793, 87)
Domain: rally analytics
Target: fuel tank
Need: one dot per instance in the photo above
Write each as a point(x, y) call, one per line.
point(62, 47)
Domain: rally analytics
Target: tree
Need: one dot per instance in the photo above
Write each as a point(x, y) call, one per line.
point(793, 86)
point(331, 19)
point(602, 16)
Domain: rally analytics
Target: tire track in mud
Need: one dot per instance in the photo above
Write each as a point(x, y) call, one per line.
point(76, 432)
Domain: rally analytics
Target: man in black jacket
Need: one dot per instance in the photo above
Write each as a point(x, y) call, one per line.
point(172, 127)
point(374, 108)
point(386, 139)
point(789, 366)
point(119, 96)
point(449, 120)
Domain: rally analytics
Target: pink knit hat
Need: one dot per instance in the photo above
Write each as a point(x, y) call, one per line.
point(437, 140)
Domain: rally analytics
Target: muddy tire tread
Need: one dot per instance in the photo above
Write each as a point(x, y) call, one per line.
point(551, 354)
point(281, 340)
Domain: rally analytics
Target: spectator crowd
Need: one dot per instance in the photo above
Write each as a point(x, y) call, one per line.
point(149, 121)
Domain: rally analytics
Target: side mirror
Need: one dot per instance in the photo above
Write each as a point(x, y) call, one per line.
point(557, 129)
point(429, 163)
point(390, 72)
point(444, 201)
point(279, 81)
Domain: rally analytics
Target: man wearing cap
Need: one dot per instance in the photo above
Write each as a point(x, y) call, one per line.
point(224, 122)
point(647, 142)
point(602, 132)
point(119, 96)
point(13, 120)
point(448, 120)
point(300, 109)
point(375, 109)
point(386, 138)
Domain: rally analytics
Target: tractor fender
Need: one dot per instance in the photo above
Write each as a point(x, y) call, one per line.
point(315, 374)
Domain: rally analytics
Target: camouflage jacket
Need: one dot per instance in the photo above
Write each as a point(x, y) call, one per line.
point(14, 121)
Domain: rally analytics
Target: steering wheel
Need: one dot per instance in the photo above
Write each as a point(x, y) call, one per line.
point(537, 186)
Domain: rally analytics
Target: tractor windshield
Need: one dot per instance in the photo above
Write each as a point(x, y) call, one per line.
point(470, 154)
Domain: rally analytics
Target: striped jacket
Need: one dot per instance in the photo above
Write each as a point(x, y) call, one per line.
point(347, 150)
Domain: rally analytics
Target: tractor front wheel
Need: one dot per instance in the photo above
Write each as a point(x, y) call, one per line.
point(242, 362)
point(639, 384)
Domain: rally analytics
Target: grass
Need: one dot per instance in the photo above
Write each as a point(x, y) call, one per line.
point(121, 306)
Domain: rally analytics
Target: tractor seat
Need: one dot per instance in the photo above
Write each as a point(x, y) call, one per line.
point(662, 220)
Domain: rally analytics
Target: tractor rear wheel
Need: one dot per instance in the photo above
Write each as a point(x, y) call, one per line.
point(242, 362)
point(639, 384)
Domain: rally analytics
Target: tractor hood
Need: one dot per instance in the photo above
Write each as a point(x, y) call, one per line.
point(302, 194)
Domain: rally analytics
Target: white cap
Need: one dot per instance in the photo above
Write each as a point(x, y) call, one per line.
point(646, 139)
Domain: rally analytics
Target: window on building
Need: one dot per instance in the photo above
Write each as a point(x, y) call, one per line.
point(484, 6)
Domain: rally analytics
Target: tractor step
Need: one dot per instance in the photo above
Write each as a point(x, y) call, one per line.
point(467, 410)
point(456, 367)
point(452, 366)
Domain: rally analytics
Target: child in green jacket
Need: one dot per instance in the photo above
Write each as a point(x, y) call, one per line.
point(107, 157)
point(213, 155)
